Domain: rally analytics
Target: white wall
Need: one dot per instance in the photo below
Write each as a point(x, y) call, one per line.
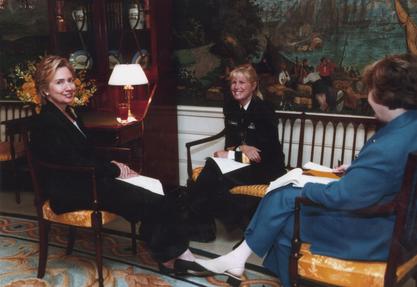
point(196, 123)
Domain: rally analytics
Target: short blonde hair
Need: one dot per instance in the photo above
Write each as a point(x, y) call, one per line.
point(250, 73)
point(45, 71)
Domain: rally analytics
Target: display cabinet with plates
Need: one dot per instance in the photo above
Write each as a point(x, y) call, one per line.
point(98, 34)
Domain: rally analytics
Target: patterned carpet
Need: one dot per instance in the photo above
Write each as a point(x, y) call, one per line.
point(19, 259)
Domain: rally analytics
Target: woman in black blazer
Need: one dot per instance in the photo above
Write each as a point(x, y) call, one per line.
point(251, 137)
point(58, 136)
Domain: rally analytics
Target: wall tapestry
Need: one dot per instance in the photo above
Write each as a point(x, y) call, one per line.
point(309, 53)
point(23, 36)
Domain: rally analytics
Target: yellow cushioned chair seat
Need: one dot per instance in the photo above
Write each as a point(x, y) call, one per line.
point(5, 154)
point(341, 272)
point(196, 173)
point(252, 190)
point(81, 218)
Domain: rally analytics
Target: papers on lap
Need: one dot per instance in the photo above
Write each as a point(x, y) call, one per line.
point(228, 165)
point(315, 166)
point(299, 178)
point(149, 183)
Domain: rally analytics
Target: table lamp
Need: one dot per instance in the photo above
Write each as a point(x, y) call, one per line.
point(128, 75)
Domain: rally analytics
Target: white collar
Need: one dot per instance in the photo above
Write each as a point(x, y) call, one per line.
point(245, 107)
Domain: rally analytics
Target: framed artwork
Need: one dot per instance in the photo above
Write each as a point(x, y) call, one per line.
point(309, 54)
point(23, 36)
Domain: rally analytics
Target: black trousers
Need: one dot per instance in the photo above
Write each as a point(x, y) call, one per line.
point(164, 227)
point(209, 196)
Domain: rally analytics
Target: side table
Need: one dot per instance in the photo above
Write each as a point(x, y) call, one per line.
point(104, 130)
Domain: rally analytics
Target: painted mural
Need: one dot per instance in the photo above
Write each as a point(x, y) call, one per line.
point(309, 53)
point(23, 36)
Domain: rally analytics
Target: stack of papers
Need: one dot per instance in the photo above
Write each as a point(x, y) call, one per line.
point(297, 177)
point(228, 165)
point(149, 183)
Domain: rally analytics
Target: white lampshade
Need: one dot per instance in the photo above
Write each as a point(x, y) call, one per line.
point(127, 74)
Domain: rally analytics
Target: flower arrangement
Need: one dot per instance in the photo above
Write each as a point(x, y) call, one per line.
point(22, 84)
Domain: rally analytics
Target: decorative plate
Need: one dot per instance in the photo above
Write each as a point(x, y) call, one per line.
point(80, 60)
point(142, 58)
point(114, 58)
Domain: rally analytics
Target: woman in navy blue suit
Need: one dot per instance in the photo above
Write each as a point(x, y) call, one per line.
point(374, 177)
point(251, 137)
point(58, 136)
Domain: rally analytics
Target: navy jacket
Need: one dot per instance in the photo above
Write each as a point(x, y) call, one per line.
point(255, 127)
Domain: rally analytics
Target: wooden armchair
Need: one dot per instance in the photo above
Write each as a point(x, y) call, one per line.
point(322, 138)
point(257, 190)
point(92, 219)
point(310, 269)
point(12, 151)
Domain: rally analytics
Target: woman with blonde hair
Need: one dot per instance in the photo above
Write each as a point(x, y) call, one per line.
point(251, 137)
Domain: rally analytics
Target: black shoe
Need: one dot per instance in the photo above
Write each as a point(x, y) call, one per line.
point(165, 270)
point(185, 267)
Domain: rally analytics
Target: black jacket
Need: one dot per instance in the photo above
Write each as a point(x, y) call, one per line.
point(55, 139)
point(256, 127)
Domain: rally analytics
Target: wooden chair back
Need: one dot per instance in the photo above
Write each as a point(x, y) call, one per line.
point(404, 240)
point(325, 139)
point(15, 118)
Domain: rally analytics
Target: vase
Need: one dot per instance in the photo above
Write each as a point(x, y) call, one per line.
point(136, 17)
point(80, 17)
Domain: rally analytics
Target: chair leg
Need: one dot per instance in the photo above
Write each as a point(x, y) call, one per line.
point(16, 180)
point(96, 219)
point(133, 236)
point(71, 240)
point(44, 227)
point(17, 196)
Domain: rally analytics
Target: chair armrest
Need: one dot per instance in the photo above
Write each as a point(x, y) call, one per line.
point(197, 142)
point(376, 210)
point(371, 211)
point(120, 154)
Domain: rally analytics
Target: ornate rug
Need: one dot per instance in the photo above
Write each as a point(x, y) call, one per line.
point(19, 260)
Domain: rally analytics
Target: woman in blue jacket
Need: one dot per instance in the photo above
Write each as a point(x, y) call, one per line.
point(374, 177)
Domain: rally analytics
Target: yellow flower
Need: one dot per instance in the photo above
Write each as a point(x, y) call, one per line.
point(24, 85)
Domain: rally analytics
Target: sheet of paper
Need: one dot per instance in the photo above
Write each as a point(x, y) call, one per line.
point(228, 165)
point(298, 179)
point(149, 183)
point(315, 166)
point(290, 177)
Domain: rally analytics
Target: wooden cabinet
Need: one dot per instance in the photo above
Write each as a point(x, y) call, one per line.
point(104, 36)
point(107, 37)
